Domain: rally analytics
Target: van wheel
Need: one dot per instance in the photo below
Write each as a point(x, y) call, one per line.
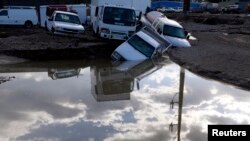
point(28, 24)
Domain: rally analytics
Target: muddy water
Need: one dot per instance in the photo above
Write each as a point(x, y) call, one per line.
point(95, 101)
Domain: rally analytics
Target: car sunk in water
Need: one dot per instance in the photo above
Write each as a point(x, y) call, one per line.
point(145, 44)
point(65, 23)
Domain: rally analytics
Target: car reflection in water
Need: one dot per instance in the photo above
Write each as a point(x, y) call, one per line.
point(63, 73)
point(117, 81)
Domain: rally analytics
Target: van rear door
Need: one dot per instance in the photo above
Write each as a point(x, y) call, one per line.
point(4, 17)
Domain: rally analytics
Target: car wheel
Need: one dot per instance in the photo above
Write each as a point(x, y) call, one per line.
point(28, 24)
point(46, 26)
point(96, 34)
point(52, 30)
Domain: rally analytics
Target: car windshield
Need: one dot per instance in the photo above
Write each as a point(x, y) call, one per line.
point(119, 16)
point(174, 31)
point(142, 46)
point(67, 18)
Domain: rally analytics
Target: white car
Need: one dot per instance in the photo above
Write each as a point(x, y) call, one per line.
point(65, 23)
point(168, 29)
point(145, 44)
point(167, 9)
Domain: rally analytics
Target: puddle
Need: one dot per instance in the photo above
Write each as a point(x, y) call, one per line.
point(82, 100)
point(10, 60)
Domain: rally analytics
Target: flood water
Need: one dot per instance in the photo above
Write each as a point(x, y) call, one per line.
point(95, 101)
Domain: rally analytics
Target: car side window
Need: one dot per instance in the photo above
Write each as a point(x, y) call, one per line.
point(158, 28)
point(155, 23)
point(96, 11)
point(4, 13)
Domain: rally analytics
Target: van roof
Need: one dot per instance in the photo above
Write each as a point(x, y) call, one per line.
point(148, 39)
point(170, 22)
point(63, 12)
point(152, 37)
point(19, 7)
point(118, 6)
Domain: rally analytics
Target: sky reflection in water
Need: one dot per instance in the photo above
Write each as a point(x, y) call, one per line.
point(103, 101)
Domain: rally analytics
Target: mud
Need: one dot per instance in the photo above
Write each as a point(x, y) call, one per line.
point(221, 52)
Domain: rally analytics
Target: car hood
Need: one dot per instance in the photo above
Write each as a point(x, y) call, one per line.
point(129, 53)
point(69, 25)
point(177, 42)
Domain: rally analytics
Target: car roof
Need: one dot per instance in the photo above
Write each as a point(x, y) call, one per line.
point(148, 39)
point(170, 22)
point(152, 38)
point(64, 12)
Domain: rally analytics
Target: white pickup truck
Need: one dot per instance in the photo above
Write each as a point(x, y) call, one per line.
point(65, 23)
point(145, 44)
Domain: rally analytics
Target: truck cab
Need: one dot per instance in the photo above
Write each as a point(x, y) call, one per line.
point(113, 22)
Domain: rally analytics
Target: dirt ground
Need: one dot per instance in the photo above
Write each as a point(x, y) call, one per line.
point(221, 51)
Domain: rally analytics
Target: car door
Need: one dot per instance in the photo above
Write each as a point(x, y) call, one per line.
point(50, 21)
point(4, 18)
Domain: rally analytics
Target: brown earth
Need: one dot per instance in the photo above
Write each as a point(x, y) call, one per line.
point(221, 51)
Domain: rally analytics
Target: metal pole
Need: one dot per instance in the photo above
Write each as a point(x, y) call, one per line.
point(181, 89)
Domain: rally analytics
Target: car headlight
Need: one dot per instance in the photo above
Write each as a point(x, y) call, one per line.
point(130, 33)
point(105, 30)
point(116, 56)
point(58, 28)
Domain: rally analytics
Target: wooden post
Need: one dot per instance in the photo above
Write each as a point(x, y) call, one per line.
point(186, 6)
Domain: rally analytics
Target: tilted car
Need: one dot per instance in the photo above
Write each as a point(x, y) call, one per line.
point(65, 23)
point(168, 29)
point(145, 44)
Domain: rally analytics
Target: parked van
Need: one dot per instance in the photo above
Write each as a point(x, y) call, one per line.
point(168, 29)
point(19, 15)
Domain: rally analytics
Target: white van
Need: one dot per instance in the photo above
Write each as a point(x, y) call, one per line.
point(19, 15)
point(168, 29)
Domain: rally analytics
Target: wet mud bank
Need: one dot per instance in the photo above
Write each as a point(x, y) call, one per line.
point(222, 48)
point(37, 44)
point(93, 52)
point(223, 57)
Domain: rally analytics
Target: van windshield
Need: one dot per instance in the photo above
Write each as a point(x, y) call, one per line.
point(60, 17)
point(142, 46)
point(174, 31)
point(119, 16)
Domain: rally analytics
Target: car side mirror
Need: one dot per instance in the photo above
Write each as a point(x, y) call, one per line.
point(187, 34)
point(140, 15)
point(159, 31)
point(159, 51)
